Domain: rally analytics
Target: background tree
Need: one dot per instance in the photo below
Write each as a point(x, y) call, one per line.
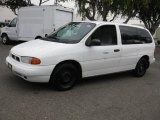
point(147, 11)
point(102, 8)
point(87, 8)
point(128, 8)
point(41, 2)
point(149, 14)
point(15, 4)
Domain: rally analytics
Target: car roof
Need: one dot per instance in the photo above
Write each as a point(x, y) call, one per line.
point(112, 23)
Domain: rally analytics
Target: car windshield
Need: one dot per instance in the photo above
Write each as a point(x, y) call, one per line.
point(71, 33)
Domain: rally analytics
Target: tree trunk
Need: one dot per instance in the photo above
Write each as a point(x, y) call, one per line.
point(40, 2)
point(130, 16)
point(127, 20)
point(153, 29)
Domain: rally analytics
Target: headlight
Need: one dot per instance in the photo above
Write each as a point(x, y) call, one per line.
point(31, 60)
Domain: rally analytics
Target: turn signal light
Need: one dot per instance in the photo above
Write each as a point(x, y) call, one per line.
point(35, 61)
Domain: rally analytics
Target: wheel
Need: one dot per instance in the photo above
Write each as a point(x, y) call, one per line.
point(64, 77)
point(141, 67)
point(5, 39)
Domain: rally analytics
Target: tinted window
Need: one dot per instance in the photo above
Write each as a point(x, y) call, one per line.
point(144, 36)
point(131, 35)
point(106, 34)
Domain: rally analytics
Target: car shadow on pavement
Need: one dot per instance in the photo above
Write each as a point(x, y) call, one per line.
point(26, 85)
point(15, 42)
point(23, 85)
point(106, 78)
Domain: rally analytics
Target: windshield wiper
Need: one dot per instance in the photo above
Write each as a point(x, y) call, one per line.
point(53, 37)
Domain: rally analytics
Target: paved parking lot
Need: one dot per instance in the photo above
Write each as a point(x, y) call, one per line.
point(119, 96)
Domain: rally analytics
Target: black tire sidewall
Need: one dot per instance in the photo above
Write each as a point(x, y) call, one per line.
point(7, 39)
point(56, 83)
point(141, 61)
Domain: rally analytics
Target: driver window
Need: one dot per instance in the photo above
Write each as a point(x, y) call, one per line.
point(13, 22)
point(106, 34)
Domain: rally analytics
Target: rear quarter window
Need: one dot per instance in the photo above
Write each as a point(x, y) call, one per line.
point(133, 35)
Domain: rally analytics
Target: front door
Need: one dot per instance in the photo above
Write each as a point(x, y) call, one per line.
point(103, 58)
point(12, 30)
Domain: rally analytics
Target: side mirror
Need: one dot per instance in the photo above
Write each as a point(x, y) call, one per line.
point(46, 35)
point(93, 42)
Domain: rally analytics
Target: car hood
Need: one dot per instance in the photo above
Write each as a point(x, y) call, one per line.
point(38, 48)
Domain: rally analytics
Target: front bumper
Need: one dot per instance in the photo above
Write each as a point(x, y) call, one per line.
point(32, 73)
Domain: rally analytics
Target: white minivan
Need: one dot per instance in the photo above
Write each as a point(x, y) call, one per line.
point(83, 49)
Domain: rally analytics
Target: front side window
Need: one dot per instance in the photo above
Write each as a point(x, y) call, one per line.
point(131, 35)
point(106, 35)
point(71, 33)
point(13, 22)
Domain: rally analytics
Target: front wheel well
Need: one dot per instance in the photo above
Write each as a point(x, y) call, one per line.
point(3, 34)
point(73, 62)
point(147, 58)
point(38, 37)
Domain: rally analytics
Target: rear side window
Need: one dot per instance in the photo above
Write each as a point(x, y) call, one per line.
point(131, 35)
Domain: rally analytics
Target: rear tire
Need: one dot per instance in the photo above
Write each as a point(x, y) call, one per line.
point(5, 39)
point(64, 77)
point(141, 68)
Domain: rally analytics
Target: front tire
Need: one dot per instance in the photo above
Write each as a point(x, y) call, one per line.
point(5, 39)
point(141, 68)
point(64, 77)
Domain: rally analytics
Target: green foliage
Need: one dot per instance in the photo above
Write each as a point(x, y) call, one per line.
point(15, 4)
point(87, 8)
point(149, 13)
point(91, 8)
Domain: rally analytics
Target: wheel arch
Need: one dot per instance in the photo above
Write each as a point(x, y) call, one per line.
point(2, 34)
point(73, 62)
point(37, 37)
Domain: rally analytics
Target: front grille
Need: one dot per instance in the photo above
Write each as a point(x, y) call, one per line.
point(15, 57)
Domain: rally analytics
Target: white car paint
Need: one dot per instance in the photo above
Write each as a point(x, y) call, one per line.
point(94, 60)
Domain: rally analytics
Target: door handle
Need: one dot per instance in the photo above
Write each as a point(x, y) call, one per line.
point(116, 50)
point(105, 52)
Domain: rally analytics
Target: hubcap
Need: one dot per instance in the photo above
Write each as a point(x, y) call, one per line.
point(66, 77)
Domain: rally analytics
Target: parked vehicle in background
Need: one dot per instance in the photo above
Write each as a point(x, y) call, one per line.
point(36, 22)
point(83, 49)
point(3, 24)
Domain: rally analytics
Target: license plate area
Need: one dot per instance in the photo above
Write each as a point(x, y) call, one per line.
point(10, 66)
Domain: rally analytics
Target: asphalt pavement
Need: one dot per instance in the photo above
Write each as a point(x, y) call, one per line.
point(119, 96)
